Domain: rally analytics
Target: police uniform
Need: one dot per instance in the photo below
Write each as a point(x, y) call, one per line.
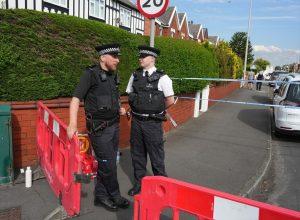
point(147, 91)
point(99, 89)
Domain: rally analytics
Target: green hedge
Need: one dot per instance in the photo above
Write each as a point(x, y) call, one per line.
point(43, 55)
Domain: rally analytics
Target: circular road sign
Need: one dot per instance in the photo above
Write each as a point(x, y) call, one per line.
point(152, 8)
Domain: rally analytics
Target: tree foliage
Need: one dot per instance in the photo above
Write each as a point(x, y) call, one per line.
point(229, 63)
point(238, 45)
point(261, 64)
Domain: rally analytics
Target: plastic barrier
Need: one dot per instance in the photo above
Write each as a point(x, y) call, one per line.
point(65, 162)
point(159, 193)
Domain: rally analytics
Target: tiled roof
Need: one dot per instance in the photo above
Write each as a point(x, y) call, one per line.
point(180, 17)
point(165, 18)
point(194, 29)
point(213, 39)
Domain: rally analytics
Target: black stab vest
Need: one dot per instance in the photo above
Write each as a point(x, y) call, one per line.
point(146, 98)
point(102, 100)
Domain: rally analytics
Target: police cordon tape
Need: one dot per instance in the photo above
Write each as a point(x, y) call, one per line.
point(237, 102)
point(241, 103)
point(235, 80)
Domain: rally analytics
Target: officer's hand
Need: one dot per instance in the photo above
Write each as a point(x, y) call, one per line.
point(71, 131)
point(122, 111)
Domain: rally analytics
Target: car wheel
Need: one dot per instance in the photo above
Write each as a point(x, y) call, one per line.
point(277, 132)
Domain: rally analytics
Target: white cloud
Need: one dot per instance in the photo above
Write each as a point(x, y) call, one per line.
point(262, 48)
point(276, 55)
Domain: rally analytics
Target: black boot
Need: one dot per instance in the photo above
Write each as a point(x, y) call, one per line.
point(135, 189)
point(106, 203)
point(121, 202)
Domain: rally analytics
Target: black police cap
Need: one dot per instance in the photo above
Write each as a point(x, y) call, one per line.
point(148, 51)
point(113, 49)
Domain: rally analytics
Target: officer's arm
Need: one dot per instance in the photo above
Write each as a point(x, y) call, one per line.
point(74, 107)
point(169, 101)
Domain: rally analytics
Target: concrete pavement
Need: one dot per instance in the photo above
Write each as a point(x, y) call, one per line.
point(226, 149)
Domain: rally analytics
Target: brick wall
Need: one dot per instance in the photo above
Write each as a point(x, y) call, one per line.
point(24, 122)
point(221, 91)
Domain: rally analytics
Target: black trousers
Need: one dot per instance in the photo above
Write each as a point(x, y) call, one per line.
point(258, 86)
point(146, 137)
point(105, 145)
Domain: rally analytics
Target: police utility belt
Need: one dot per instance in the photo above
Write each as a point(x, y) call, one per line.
point(95, 124)
point(147, 117)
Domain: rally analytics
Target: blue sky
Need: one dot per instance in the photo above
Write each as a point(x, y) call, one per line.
point(275, 31)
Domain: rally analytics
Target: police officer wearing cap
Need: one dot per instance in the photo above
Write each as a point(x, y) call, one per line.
point(150, 94)
point(98, 87)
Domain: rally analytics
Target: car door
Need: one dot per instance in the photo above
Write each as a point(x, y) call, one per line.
point(278, 113)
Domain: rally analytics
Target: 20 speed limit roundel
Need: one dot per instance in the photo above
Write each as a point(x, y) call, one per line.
point(152, 8)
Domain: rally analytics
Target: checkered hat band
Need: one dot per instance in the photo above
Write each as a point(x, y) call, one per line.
point(109, 50)
point(148, 52)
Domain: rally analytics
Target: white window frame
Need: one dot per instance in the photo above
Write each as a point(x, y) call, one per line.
point(160, 31)
point(59, 3)
point(101, 9)
point(125, 17)
point(172, 32)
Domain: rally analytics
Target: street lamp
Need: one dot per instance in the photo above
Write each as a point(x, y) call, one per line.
point(247, 44)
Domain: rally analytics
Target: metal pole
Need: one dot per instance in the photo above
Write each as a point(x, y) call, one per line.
point(152, 32)
point(248, 33)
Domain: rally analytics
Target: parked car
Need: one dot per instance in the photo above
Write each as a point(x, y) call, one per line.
point(287, 120)
point(274, 76)
point(281, 78)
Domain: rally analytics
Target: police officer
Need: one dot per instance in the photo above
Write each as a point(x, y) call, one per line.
point(98, 87)
point(150, 94)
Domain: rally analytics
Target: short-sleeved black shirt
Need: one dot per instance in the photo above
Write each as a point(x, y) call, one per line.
point(85, 83)
point(87, 80)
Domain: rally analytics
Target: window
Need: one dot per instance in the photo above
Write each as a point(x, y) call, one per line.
point(160, 31)
point(293, 94)
point(62, 3)
point(282, 89)
point(172, 32)
point(125, 17)
point(97, 8)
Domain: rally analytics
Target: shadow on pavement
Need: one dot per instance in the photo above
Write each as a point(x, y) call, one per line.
point(262, 99)
point(259, 119)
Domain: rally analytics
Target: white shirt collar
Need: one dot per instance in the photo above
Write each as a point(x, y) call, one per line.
point(150, 71)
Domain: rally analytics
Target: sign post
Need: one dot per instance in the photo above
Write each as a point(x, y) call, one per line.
point(152, 9)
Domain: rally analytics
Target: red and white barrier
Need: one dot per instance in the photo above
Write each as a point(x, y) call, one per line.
point(159, 193)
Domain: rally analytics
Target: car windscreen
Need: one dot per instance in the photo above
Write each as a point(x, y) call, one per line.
point(293, 94)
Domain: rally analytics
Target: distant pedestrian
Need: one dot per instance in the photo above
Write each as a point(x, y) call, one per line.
point(250, 78)
point(260, 76)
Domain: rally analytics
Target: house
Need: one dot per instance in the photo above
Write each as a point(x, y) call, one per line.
point(165, 25)
point(196, 32)
point(205, 34)
point(119, 13)
point(213, 40)
point(176, 25)
point(184, 27)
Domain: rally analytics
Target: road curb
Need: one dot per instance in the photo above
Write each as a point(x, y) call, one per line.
point(252, 186)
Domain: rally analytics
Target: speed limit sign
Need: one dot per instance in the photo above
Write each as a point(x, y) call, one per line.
point(152, 8)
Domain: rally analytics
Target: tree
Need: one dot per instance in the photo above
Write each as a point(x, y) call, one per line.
point(238, 45)
point(229, 63)
point(261, 64)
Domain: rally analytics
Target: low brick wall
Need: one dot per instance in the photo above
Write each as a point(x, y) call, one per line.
point(24, 122)
point(221, 91)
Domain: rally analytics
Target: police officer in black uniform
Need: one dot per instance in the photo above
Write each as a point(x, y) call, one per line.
point(98, 87)
point(150, 94)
